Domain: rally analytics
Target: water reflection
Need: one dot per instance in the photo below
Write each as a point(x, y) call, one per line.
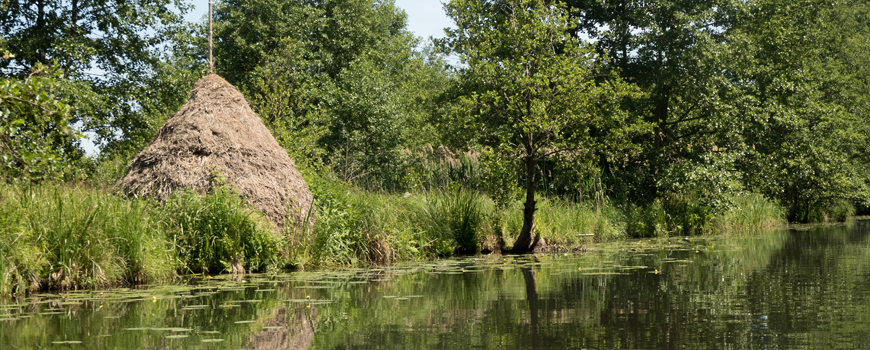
point(804, 288)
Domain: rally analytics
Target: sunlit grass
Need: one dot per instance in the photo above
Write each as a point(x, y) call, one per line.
point(67, 237)
point(219, 232)
point(61, 237)
point(752, 212)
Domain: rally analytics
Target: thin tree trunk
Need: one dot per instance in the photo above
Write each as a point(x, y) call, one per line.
point(41, 30)
point(73, 31)
point(524, 241)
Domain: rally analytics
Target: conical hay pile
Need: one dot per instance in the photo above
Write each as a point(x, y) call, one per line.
point(217, 135)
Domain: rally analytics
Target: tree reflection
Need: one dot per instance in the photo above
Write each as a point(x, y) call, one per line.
point(532, 297)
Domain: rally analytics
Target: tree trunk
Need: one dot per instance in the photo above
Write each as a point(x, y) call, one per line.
point(524, 242)
point(41, 30)
point(73, 31)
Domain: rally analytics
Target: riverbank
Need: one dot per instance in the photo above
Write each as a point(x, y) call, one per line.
point(68, 237)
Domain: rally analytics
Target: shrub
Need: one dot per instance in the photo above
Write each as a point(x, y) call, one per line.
point(455, 217)
point(219, 232)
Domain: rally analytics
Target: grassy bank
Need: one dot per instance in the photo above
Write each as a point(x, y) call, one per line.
point(62, 237)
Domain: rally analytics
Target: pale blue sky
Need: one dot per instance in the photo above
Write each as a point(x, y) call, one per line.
point(425, 17)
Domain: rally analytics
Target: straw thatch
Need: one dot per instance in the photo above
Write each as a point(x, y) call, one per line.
point(217, 135)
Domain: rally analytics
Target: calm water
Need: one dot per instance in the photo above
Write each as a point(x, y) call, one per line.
point(795, 289)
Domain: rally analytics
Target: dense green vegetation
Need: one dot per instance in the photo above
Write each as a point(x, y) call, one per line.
point(621, 118)
point(66, 237)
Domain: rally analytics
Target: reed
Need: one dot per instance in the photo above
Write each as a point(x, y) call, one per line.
point(751, 212)
point(62, 237)
point(562, 222)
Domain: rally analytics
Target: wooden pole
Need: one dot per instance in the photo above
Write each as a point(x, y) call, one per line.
point(210, 59)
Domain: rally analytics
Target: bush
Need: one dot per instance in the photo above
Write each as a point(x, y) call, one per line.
point(839, 210)
point(674, 214)
point(219, 232)
point(455, 217)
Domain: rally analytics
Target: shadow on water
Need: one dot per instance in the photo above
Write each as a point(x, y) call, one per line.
point(532, 297)
point(790, 289)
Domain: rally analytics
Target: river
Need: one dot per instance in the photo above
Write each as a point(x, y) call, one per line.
point(806, 287)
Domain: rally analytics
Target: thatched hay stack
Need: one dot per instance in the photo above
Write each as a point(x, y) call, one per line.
point(217, 135)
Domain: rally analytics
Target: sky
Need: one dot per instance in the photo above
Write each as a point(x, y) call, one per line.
point(425, 17)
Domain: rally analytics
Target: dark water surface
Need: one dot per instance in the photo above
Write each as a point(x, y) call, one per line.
point(804, 288)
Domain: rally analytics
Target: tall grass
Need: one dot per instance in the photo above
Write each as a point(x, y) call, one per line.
point(687, 214)
point(59, 237)
point(357, 227)
point(219, 232)
point(354, 226)
point(751, 212)
point(562, 222)
point(458, 219)
point(62, 237)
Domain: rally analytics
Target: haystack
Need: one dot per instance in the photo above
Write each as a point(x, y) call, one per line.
point(217, 135)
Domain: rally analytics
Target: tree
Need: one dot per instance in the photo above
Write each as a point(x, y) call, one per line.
point(112, 54)
point(34, 127)
point(529, 89)
point(808, 80)
point(340, 79)
point(678, 53)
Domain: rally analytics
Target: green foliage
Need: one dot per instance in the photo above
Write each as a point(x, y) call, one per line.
point(771, 96)
point(455, 217)
point(292, 102)
point(810, 141)
point(713, 179)
point(677, 52)
point(500, 178)
point(340, 83)
point(426, 169)
point(218, 232)
point(34, 127)
point(120, 61)
point(528, 87)
point(58, 237)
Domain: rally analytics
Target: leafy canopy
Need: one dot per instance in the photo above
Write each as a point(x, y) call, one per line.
point(34, 127)
point(528, 89)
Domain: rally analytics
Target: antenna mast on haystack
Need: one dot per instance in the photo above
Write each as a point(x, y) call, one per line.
point(210, 59)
